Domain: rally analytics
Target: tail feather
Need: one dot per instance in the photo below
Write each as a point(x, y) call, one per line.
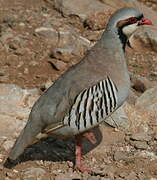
point(25, 138)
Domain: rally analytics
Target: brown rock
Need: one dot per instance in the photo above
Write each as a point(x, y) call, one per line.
point(93, 35)
point(62, 53)
point(8, 144)
point(144, 38)
point(141, 136)
point(120, 155)
point(33, 172)
point(139, 145)
point(70, 44)
point(81, 8)
point(98, 20)
point(57, 64)
point(140, 83)
point(68, 176)
point(50, 34)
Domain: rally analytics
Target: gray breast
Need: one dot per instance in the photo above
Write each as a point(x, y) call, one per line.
point(91, 106)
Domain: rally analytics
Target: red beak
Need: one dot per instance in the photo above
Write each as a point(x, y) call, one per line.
point(145, 21)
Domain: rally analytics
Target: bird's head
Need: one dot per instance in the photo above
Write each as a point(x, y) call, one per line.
point(127, 20)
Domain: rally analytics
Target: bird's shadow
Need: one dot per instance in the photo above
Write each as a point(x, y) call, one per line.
point(54, 149)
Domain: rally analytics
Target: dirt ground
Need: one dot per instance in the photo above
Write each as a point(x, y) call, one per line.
point(26, 61)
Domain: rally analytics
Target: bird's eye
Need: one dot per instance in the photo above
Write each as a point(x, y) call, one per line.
point(132, 20)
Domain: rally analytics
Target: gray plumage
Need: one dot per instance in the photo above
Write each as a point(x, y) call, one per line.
point(85, 94)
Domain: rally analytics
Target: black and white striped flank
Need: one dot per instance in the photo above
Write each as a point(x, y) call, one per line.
point(92, 105)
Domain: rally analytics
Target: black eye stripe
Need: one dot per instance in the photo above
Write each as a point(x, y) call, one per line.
point(122, 23)
point(134, 19)
point(140, 17)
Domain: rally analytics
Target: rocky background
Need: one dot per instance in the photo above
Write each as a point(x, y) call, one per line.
point(39, 40)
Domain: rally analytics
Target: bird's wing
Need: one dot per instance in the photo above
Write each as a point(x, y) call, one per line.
point(63, 93)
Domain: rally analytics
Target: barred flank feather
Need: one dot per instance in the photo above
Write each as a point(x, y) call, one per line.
point(92, 105)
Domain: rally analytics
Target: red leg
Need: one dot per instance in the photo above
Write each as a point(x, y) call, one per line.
point(78, 165)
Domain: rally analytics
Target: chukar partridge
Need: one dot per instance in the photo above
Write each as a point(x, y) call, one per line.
point(88, 92)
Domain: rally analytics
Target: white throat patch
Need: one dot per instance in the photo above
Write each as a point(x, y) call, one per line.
point(130, 29)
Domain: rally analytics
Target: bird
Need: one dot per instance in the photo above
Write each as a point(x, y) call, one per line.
point(88, 92)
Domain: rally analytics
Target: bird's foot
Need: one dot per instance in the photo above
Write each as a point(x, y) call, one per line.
point(90, 136)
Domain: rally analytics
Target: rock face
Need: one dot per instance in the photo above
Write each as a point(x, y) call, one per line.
point(70, 44)
point(118, 119)
point(145, 38)
point(83, 9)
point(14, 107)
point(147, 103)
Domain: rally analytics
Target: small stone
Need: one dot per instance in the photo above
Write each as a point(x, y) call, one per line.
point(33, 63)
point(70, 164)
point(1, 167)
point(5, 36)
point(93, 35)
point(140, 144)
point(80, 8)
point(21, 51)
point(120, 155)
point(62, 53)
point(26, 71)
point(132, 176)
point(49, 34)
point(4, 79)
point(118, 119)
point(94, 178)
point(57, 64)
point(33, 172)
point(123, 174)
point(140, 83)
point(141, 136)
point(104, 178)
point(9, 174)
point(144, 38)
point(85, 175)
point(2, 139)
point(98, 20)
point(2, 72)
point(68, 176)
point(15, 171)
point(22, 24)
point(8, 144)
point(7, 178)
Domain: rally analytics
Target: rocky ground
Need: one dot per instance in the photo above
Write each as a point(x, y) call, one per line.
point(39, 40)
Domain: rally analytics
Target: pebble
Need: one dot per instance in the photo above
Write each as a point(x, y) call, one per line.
point(33, 172)
point(120, 155)
point(9, 174)
point(62, 53)
point(104, 178)
point(8, 144)
point(140, 144)
point(15, 171)
point(57, 64)
point(141, 136)
point(94, 178)
point(131, 176)
point(70, 164)
point(7, 178)
point(68, 176)
point(1, 167)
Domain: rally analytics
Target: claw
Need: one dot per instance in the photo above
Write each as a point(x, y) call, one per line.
point(78, 155)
